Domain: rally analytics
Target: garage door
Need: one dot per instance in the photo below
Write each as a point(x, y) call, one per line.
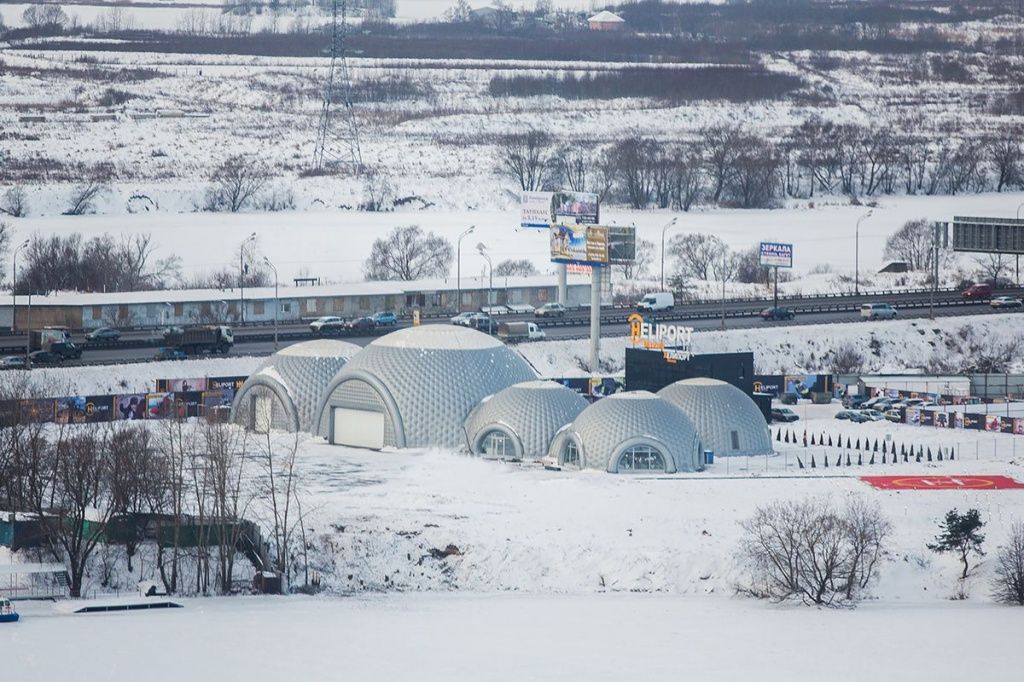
point(262, 413)
point(358, 428)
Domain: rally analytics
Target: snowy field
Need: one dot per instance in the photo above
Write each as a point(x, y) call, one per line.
point(515, 637)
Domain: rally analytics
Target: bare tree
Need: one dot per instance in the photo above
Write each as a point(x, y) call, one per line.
point(641, 264)
point(688, 178)
point(696, 253)
point(15, 202)
point(846, 359)
point(913, 244)
point(636, 158)
point(377, 190)
point(753, 181)
point(84, 196)
point(50, 17)
point(522, 267)
point(409, 254)
point(524, 158)
point(235, 183)
point(1007, 158)
point(280, 496)
point(1008, 583)
point(573, 163)
point(992, 267)
point(723, 145)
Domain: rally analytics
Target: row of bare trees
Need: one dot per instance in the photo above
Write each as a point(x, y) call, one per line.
point(193, 493)
point(728, 165)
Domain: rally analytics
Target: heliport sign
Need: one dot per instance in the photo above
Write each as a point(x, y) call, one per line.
point(776, 255)
point(672, 340)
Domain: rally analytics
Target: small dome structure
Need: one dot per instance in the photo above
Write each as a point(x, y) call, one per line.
point(520, 421)
point(285, 389)
point(728, 421)
point(415, 387)
point(634, 431)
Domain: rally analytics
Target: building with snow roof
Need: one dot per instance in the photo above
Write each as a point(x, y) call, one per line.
point(284, 392)
point(606, 21)
point(415, 387)
point(727, 420)
point(520, 421)
point(628, 432)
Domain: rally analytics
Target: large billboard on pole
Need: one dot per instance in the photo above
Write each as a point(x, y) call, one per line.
point(776, 255)
point(536, 210)
point(593, 244)
point(575, 207)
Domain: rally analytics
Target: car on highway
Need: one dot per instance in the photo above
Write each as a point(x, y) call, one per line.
point(1006, 302)
point(777, 314)
point(328, 324)
point(661, 300)
point(550, 310)
point(385, 319)
point(878, 311)
point(485, 324)
point(45, 357)
point(360, 324)
point(13, 362)
point(103, 334)
point(784, 414)
point(170, 354)
point(463, 319)
point(979, 290)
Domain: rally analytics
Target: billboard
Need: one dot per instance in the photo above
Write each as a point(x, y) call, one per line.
point(776, 255)
point(621, 245)
point(536, 210)
point(579, 244)
point(988, 235)
point(575, 207)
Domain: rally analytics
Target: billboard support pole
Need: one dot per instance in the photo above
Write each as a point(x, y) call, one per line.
point(776, 303)
point(595, 319)
point(563, 293)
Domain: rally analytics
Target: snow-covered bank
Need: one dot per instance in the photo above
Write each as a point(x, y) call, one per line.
point(887, 346)
point(516, 637)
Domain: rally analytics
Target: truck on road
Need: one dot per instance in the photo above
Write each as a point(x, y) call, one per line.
point(56, 340)
point(200, 339)
point(520, 331)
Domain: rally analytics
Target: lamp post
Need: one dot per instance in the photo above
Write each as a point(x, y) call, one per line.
point(663, 230)
point(482, 250)
point(856, 252)
point(1018, 255)
point(277, 301)
point(458, 268)
point(14, 286)
point(241, 276)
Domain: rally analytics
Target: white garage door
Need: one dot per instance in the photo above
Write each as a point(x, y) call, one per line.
point(358, 428)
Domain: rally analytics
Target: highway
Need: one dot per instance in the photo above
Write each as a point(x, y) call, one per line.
point(136, 346)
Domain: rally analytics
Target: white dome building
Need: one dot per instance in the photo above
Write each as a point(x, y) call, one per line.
point(285, 390)
point(415, 387)
point(630, 432)
point(520, 421)
point(727, 420)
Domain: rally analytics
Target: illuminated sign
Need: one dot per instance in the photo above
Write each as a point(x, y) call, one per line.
point(672, 340)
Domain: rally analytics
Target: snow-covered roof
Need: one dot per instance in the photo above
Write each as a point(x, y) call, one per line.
point(606, 17)
point(437, 337)
point(728, 421)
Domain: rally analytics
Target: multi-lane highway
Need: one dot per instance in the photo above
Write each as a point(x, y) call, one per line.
point(142, 345)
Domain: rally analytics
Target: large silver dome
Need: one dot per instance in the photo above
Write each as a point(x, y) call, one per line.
point(633, 431)
point(521, 420)
point(415, 387)
point(727, 420)
point(285, 390)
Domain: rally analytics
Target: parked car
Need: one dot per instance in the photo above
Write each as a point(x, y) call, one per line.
point(777, 314)
point(789, 398)
point(103, 334)
point(385, 319)
point(662, 300)
point(463, 319)
point(894, 416)
point(13, 362)
point(45, 357)
point(784, 414)
point(844, 414)
point(980, 290)
point(1006, 302)
point(877, 311)
point(550, 310)
point(360, 324)
point(170, 354)
point(329, 324)
point(873, 415)
point(852, 402)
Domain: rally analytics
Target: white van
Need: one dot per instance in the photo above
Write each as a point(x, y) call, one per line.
point(662, 300)
point(877, 311)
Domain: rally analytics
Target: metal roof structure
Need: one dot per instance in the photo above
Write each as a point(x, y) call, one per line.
point(727, 420)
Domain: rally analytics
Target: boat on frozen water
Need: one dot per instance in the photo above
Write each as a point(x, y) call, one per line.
point(7, 612)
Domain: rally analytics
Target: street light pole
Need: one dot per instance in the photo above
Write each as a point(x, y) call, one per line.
point(1018, 255)
point(458, 268)
point(14, 287)
point(241, 277)
point(663, 230)
point(856, 253)
point(277, 300)
point(490, 270)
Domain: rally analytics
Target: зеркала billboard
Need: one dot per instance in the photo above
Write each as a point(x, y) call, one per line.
point(776, 255)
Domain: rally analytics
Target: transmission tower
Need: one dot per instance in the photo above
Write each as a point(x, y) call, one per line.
point(337, 136)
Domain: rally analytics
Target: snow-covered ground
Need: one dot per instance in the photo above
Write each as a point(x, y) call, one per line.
point(516, 637)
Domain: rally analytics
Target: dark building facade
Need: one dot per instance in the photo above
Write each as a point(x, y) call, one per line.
point(649, 370)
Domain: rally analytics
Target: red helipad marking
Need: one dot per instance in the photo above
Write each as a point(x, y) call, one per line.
point(942, 482)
